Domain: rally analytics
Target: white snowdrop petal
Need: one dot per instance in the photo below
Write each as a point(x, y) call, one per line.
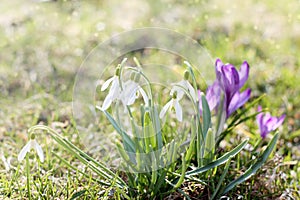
point(24, 151)
point(131, 98)
point(39, 150)
point(107, 101)
point(191, 90)
point(144, 95)
point(107, 83)
point(178, 110)
point(165, 108)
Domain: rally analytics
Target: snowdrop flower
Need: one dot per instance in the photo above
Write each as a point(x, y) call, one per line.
point(183, 85)
point(173, 103)
point(268, 123)
point(132, 90)
point(32, 144)
point(6, 162)
point(114, 91)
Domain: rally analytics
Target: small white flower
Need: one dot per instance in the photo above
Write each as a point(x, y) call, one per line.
point(179, 89)
point(114, 91)
point(131, 92)
point(32, 144)
point(6, 162)
point(173, 103)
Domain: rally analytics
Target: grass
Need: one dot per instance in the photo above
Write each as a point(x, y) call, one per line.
point(43, 44)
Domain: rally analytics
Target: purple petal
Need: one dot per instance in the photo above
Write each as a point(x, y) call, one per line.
point(243, 74)
point(263, 133)
point(218, 64)
point(270, 123)
point(279, 122)
point(259, 108)
point(233, 104)
point(238, 100)
point(230, 80)
point(244, 97)
point(213, 95)
point(259, 117)
point(266, 118)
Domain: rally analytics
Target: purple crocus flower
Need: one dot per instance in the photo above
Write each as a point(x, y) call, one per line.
point(231, 81)
point(213, 95)
point(268, 123)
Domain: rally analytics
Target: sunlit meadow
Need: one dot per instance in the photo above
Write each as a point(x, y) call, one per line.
point(234, 135)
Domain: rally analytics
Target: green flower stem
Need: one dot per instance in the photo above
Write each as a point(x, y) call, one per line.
point(28, 176)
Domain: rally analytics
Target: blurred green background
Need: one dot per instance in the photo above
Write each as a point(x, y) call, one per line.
point(43, 43)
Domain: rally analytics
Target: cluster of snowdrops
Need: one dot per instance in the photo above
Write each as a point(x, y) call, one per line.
point(156, 164)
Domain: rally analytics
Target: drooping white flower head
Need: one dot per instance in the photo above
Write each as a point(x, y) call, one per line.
point(114, 91)
point(131, 92)
point(32, 144)
point(177, 92)
point(183, 85)
point(132, 89)
point(173, 103)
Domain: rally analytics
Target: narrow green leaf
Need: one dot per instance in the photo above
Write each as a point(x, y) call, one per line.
point(77, 194)
point(209, 149)
point(221, 179)
point(157, 128)
point(252, 169)
point(205, 114)
point(160, 180)
point(199, 142)
point(154, 174)
point(183, 170)
point(220, 160)
point(221, 116)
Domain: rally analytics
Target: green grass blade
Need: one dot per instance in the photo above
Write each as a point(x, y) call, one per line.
point(252, 170)
point(75, 169)
point(221, 179)
point(77, 194)
point(160, 181)
point(219, 161)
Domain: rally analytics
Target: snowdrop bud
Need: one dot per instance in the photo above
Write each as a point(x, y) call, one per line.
point(186, 75)
point(118, 71)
